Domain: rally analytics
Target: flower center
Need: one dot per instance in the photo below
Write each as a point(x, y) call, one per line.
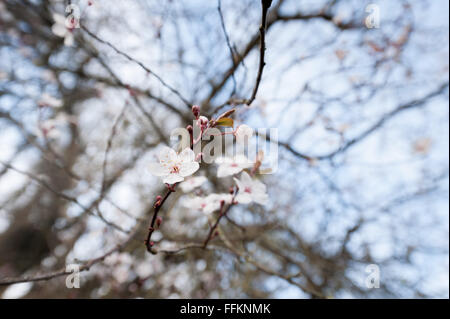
point(175, 170)
point(248, 190)
point(234, 165)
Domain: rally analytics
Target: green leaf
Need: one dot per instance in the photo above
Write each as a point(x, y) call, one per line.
point(225, 121)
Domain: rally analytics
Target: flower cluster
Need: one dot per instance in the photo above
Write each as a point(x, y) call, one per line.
point(176, 168)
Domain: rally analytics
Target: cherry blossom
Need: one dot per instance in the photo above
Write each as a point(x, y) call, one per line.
point(60, 29)
point(208, 204)
point(173, 167)
point(250, 190)
point(192, 183)
point(232, 165)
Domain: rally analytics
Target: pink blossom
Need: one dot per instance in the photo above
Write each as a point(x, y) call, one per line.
point(232, 165)
point(250, 190)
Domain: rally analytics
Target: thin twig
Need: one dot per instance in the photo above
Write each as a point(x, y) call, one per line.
point(157, 207)
point(223, 212)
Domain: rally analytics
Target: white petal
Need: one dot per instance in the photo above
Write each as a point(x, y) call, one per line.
point(187, 155)
point(193, 203)
point(59, 30)
point(172, 179)
point(225, 170)
point(69, 39)
point(244, 198)
point(227, 198)
point(239, 184)
point(192, 183)
point(261, 198)
point(258, 186)
point(246, 179)
point(187, 169)
point(59, 18)
point(167, 155)
point(158, 170)
point(222, 160)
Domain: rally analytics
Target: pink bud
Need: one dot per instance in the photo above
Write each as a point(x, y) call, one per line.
point(158, 201)
point(158, 221)
point(202, 122)
point(196, 111)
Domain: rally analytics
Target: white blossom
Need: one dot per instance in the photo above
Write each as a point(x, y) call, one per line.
point(208, 204)
point(192, 183)
point(232, 165)
point(250, 190)
point(60, 29)
point(173, 167)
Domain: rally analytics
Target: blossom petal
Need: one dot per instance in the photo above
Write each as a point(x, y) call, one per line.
point(227, 170)
point(222, 160)
point(261, 198)
point(158, 170)
point(239, 183)
point(246, 179)
point(172, 179)
point(244, 198)
point(243, 161)
point(187, 155)
point(59, 30)
point(167, 155)
point(187, 169)
point(69, 39)
point(192, 183)
point(259, 186)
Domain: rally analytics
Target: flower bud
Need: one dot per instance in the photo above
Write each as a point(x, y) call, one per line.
point(158, 201)
point(158, 221)
point(196, 111)
point(202, 122)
